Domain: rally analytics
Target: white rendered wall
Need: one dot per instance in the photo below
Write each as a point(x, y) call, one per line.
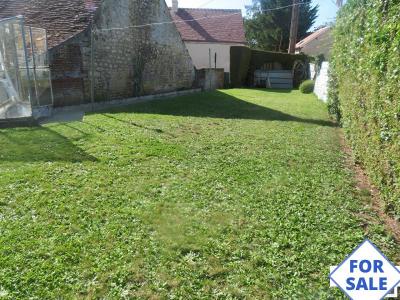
point(321, 83)
point(201, 58)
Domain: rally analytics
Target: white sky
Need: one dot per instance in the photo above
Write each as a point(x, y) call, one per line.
point(327, 8)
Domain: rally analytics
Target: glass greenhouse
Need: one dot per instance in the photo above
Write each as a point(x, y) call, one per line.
point(25, 80)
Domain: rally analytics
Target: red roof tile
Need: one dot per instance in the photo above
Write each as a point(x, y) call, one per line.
point(62, 18)
point(213, 25)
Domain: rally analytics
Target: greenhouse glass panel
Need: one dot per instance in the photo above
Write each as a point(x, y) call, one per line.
point(25, 79)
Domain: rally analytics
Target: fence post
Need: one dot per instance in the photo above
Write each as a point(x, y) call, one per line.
point(92, 66)
point(48, 63)
point(22, 24)
point(16, 62)
point(34, 66)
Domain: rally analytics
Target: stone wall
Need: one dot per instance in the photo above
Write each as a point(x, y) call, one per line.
point(128, 61)
point(68, 78)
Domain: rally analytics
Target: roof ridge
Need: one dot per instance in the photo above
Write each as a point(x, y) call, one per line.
point(316, 34)
point(213, 25)
point(217, 9)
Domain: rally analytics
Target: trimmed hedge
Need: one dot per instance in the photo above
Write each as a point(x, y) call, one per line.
point(307, 87)
point(244, 61)
point(365, 89)
point(240, 62)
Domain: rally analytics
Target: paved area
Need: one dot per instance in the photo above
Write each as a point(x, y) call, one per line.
point(64, 117)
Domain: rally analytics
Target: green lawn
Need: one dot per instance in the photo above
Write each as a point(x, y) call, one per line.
point(226, 195)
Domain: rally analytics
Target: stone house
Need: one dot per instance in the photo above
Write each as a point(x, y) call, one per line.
point(319, 42)
point(209, 34)
point(128, 59)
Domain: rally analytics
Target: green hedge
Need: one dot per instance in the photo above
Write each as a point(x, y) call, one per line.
point(365, 89)
point(244, 61)
point(240, 62)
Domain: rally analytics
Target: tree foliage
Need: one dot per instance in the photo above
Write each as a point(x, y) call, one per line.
point(268, 29)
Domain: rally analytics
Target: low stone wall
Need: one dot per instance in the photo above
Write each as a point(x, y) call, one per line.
point(210, 79)
point(45, 112)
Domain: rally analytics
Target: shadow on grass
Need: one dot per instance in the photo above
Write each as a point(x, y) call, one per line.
point(137, 125)
point(279, 91)
point(38, 144)
point(215, 105)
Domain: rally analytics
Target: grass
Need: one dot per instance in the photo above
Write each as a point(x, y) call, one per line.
point(226, 195)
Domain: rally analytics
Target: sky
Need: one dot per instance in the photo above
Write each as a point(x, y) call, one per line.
point(327, 8)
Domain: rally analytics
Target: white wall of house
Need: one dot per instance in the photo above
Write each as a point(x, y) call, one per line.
point(201, 58)
point(321, 82)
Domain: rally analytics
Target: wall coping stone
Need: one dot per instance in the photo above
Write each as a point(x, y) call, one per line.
point(99, 106)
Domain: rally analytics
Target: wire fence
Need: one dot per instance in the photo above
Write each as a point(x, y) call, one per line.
point(25, 81)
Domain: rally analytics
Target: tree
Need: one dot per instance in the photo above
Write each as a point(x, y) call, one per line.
point(268, 29)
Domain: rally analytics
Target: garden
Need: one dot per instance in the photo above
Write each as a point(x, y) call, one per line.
point(242, 193)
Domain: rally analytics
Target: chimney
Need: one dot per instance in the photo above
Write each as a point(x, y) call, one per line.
point(175, 6)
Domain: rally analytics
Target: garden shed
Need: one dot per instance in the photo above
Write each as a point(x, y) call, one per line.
point(268, 69)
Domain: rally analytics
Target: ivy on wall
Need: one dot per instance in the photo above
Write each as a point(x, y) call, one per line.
point(364, 91)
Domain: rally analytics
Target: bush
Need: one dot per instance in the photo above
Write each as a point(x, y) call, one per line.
point(317, 61)
point(364, 89)
point(307, 87)
point(333, 97)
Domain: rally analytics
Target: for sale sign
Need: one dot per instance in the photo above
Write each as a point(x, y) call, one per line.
point(366, 274)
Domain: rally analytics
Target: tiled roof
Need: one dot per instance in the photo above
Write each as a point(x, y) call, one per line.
point(213, 25)
point(312, 37)
point(62, 18)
